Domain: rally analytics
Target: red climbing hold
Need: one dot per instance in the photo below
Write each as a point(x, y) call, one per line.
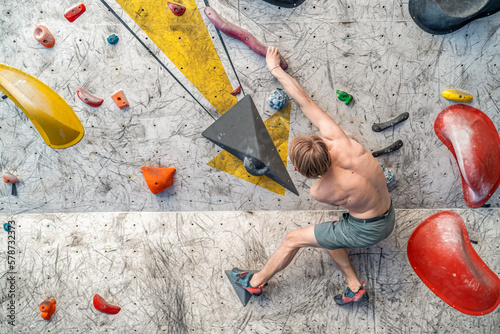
point(88, 98)
point(43, 35)
point(236, 91)
point(176, 9)
point(158, 178)
point(441, 254)
point(74, 12)
point(47, 308)
point(473, 140)
point(103, 306)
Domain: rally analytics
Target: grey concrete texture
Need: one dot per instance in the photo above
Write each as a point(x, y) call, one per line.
point(372, 50)
point(166, 272)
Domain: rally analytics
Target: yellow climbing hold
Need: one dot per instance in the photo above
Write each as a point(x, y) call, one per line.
point(278, 126)
point(54, 119)
point(186, 42)
point(457, 95)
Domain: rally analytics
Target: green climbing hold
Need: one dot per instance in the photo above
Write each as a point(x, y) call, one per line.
point(344, 97)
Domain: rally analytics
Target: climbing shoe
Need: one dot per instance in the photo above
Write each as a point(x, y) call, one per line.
point(242, 278)
point(352, 297)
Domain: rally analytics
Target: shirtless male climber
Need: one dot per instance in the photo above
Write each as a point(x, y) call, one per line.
point(348, 176)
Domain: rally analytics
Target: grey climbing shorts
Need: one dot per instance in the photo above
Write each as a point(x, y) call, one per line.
point(351, 232)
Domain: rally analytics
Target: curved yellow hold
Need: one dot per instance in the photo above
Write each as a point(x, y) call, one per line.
point(54, 119)
point(457, 95)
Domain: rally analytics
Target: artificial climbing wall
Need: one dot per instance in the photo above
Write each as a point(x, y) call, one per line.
point(166, 272)
point(70, 248)
point(374, 51)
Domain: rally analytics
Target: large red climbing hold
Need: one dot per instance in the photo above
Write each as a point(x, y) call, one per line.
point(158, 178)
point(473, 140)
point(74, 12)
point(43, 35)
point(176, 9)
point(441, 254)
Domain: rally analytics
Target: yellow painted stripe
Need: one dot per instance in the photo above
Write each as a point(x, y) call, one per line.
point(278, 126)
point(186, 42)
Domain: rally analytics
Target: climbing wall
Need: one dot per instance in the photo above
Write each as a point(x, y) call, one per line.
point(87, 222)
point(373, 51)
point(166, 272)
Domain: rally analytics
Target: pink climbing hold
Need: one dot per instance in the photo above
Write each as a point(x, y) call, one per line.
point(88, 98)
point(234, 31)
point(473, 140)
point(440, 252)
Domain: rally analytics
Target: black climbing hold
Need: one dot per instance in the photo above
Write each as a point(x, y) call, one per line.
point(285, 3)
point(441, 17)
point(254, 166)
point(377, 127)
point(391, 148)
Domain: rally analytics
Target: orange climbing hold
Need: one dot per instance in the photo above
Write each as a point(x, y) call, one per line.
point(43, 35)
point(9, 178)
point(47, 308)
point(158, 178)
point(120, 99)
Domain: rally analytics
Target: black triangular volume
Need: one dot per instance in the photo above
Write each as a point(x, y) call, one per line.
point(241, 132)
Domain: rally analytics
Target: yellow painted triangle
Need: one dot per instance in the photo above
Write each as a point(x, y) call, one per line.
point(278, 126)
point(186, 42)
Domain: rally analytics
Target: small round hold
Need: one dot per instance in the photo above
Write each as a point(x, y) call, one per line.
point(278, 99)
point(6, 227)
point(254, 166)
point(113, 39)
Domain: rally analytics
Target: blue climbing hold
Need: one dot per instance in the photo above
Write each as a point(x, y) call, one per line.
point(6, 227)
point(389, 177)
point(278, 99)
point(113, 39)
